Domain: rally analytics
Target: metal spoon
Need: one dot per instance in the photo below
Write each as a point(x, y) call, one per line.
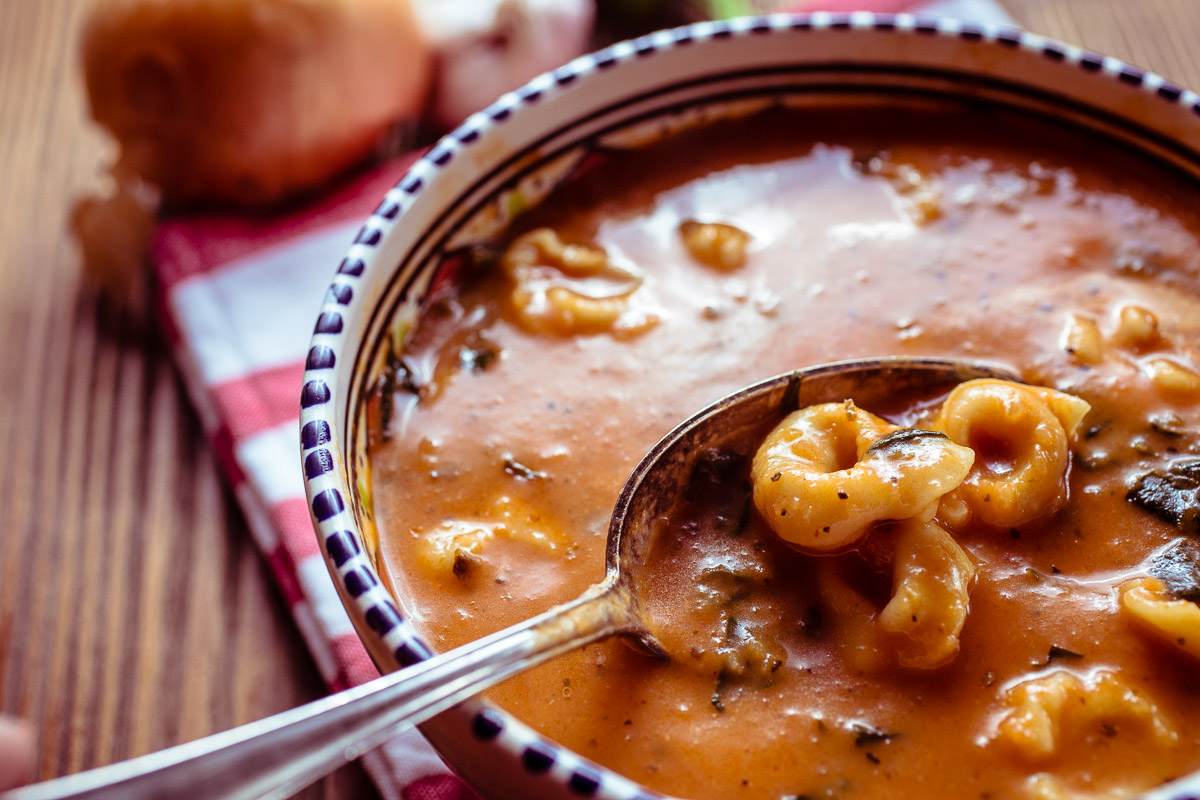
point(277, 756)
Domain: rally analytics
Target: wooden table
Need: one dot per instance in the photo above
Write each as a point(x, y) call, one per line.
point(135, 612)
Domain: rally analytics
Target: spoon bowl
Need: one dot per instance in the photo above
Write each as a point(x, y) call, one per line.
point(738, 421)
point(279, 755)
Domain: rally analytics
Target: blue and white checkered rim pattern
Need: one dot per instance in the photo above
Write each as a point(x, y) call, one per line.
point(327, 486)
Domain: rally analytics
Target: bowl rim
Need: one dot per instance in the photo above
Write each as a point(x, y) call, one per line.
point(390, 637)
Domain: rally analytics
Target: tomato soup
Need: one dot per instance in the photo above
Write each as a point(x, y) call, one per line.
point(659, 279)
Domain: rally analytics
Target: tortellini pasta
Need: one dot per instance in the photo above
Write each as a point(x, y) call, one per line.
point(456, 547)
point(1021, 436)
point(566, 289)
point(1135, 333)
point(715, 243)
point(1173, 380)
point(931, 581)
point(1048, 713)
point(919, 628)
point(1172, 620)
point(829, 472)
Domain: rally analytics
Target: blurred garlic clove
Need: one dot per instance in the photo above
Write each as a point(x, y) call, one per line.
point(485, 48)
point(114, 232)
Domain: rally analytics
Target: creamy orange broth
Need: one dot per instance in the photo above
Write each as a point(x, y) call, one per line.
point(1012, 227)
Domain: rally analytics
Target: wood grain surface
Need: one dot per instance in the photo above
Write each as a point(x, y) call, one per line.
point(134, 610)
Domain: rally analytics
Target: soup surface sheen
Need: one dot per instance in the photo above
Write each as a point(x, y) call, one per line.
point(507, 431)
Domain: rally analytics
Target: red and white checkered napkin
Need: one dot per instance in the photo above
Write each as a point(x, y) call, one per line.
point(240, 298)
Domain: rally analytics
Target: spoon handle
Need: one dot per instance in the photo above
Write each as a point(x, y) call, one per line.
point(277, 756)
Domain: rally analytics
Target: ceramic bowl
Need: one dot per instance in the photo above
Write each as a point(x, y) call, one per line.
point(515, 151)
